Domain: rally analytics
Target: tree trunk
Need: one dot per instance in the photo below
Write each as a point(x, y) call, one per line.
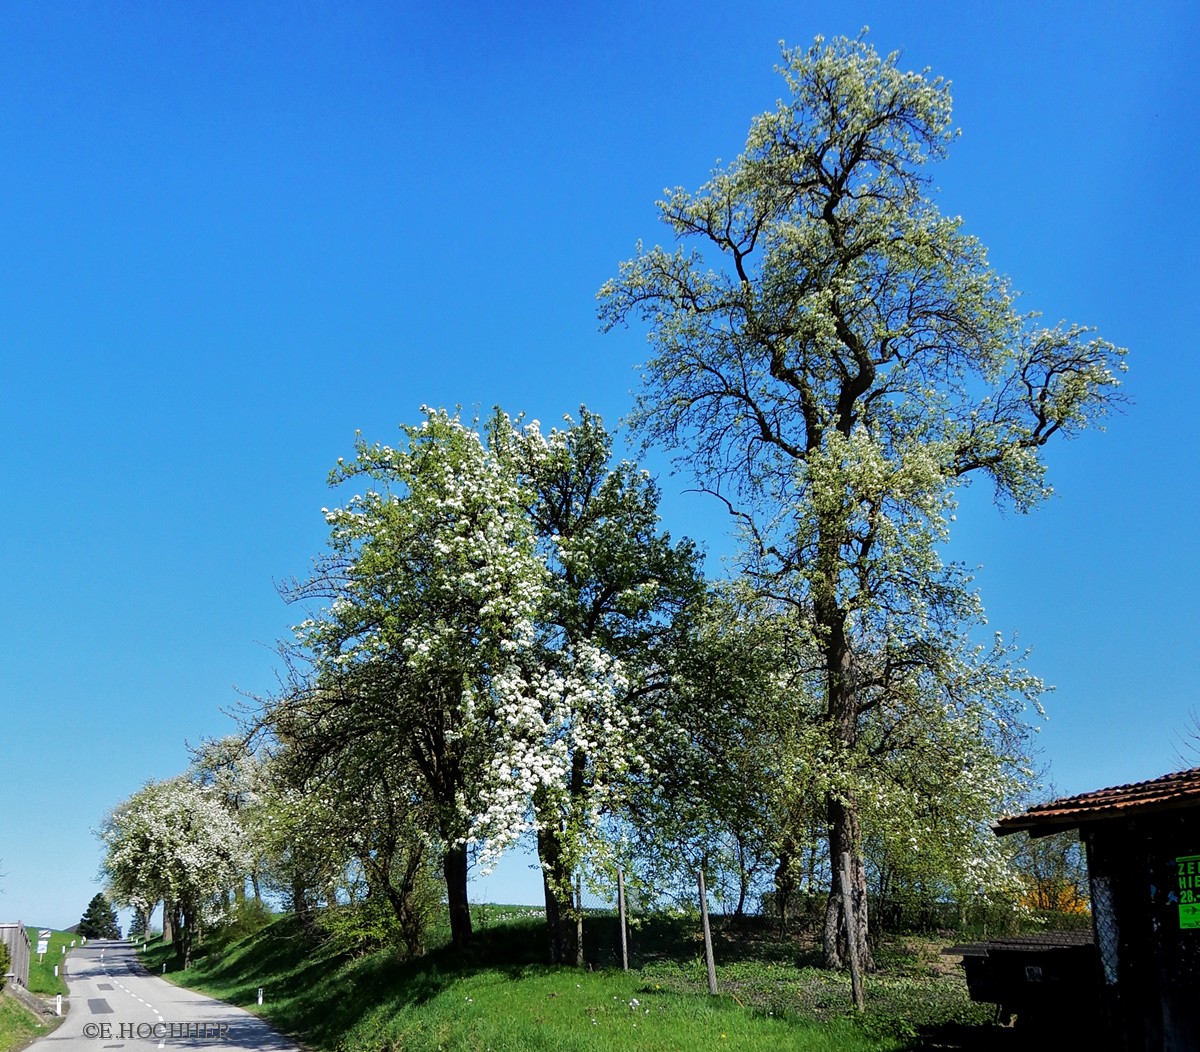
point(454, 868)
point(168, 934)
point(381, 869)
point(841, 812)
point(184, 937)
point(579, 920)
point(561, 932)
point(785, 883)
point(302, 904)
point(564, 904)
point(844, 836)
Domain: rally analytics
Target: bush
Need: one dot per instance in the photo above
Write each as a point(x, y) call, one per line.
point(245, 918)
point(5, 962)
point(359, 927)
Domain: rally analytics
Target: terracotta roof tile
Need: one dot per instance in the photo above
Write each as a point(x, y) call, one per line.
point(1170, 792)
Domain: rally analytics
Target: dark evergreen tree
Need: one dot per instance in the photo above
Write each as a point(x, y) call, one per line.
point(99, 920)
point(140, 922)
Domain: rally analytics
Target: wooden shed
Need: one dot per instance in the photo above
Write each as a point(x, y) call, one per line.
point(16, 939)
point(1143, 851)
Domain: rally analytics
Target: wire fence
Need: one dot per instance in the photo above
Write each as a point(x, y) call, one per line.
point(667, 924)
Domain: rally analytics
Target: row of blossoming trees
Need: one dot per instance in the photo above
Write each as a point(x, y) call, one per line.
point(505, 644)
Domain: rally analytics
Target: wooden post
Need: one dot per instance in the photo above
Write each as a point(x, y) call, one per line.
point(621, 919)
point(708, 949)
point(579, 919)
point(851, 934)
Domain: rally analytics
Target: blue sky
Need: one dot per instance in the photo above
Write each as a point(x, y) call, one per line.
point(233, 234)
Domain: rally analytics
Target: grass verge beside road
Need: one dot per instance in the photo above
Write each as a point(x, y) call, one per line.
point(18, 1026)
point(501, 998)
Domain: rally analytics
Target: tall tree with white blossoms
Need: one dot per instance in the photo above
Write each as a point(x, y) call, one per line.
point(433, 586)
point(836, 366)
point(231, 769)
point(177, 842)
point(573, 711)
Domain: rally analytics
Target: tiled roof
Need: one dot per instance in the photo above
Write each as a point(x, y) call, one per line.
point(1168, 793)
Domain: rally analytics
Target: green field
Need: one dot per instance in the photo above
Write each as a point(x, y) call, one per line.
point(500, 998)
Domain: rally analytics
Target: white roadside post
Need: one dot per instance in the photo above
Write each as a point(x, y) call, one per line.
point(58, 1004)
point(260, 995)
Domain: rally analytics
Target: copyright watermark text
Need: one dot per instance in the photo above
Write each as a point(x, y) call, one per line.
point(157, 1031)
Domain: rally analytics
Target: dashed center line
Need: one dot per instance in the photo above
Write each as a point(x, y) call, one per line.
point(104, 965)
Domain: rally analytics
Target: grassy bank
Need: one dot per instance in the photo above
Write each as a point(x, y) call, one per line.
point(42, 979)
point(18, 1026)
point(501, 998)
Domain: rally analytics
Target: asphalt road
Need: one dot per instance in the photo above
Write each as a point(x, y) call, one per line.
point(115, 1004)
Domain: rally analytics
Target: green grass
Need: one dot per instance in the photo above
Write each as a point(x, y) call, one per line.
point(501, 997)
point(540, 1008)
point(18, 1026)
point(42, 979)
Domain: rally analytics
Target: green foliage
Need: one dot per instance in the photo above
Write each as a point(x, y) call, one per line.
point(5, 962)
point(723, 795)
point(431, 581)
point(246, 917)
point(349, 826)
point(99, 920)
point(360, 927)
point(833, 359)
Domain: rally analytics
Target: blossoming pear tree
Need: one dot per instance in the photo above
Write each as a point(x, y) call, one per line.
point(833, 358)
point(433, 585)
point(235, 773)
point(572, 728)
point(175, 841)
